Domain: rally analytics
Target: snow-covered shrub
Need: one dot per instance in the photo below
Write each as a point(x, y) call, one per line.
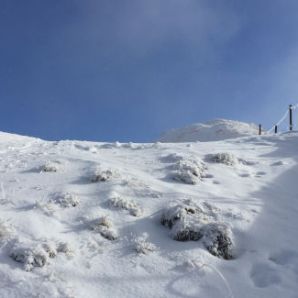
point(5, 230)
point(127, 204)
point(228, 159)
point(51, 249)
point(64, 247)
point(51, 166)
point(185, 221)
point(142, 246)
point(65, 200)
point(189, 222)
point(103, 175)
point(217, 238)
point(104, 227)
point(30, 256)
point(171, 158)
point(46, 208)
point(189, 171)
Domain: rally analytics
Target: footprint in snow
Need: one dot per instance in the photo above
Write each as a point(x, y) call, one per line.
point(278, 163)
point(288, 258)
point(260, 174)
point(264, 275)
point(244, 175)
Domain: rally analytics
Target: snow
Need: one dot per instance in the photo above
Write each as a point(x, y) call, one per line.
point(64, 234)
point(219, 129)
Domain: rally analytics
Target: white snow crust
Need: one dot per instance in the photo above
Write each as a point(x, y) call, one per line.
point(63, 234)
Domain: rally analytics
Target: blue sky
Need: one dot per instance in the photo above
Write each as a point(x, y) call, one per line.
point(129, 69)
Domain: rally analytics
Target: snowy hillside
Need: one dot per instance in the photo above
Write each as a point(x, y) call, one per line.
point(212, 219)
point(220, 129)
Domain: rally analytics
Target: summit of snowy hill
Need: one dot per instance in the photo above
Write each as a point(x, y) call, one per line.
point(215, 130)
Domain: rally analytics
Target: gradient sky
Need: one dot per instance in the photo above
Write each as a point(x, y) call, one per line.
point(127, 70)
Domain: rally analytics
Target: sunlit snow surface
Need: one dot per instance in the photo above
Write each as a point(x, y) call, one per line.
point(215, 130)
point(67, 219)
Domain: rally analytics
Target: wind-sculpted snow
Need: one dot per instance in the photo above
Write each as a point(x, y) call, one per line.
point(202, 219)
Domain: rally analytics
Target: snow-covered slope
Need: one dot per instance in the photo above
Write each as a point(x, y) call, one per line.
point(220, 129)
point(9, 137)
point(84, 219)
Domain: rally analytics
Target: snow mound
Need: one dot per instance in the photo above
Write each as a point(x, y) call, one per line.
point(220, 129)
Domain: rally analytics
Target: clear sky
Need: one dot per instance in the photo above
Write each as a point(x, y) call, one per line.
point(127, 70)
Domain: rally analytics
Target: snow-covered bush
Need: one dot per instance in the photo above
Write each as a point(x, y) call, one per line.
point(171, 158)
point(143, 246)
point(103, 175)
point(32, 255)
point(217, 238)
point(51, 166)
point(65, 200)
point(5, 230)
point(47, 208)
point(51, 249)
point(185, 221)
point(228, 159)
point(189, 222)
point(124, 203)
point(104, 227)
point(64, 247)
point(188, 171)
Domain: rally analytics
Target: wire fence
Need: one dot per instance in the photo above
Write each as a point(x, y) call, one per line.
point(285, 123)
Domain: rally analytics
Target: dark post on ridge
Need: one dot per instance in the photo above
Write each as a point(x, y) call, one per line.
point(260, 129)
point(275, 128)
point(291, 116)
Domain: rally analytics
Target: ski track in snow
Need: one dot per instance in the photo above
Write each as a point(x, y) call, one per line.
point(258, 200)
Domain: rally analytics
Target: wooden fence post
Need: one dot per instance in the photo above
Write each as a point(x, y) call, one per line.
point(260, 129)
point(291, 117)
